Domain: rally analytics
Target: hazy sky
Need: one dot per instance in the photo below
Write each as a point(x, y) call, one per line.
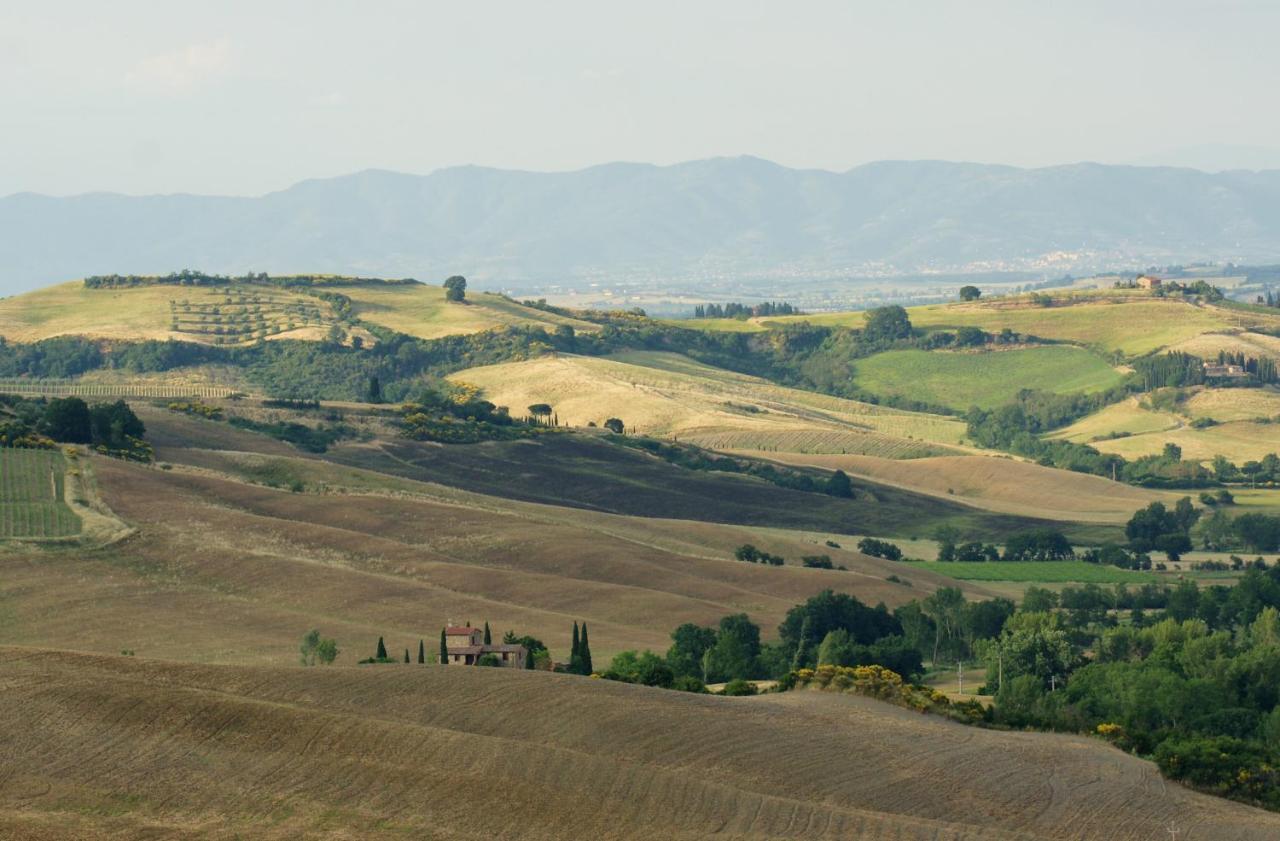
point(245, 98)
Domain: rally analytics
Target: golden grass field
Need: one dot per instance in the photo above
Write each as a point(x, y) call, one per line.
point(1236, 436)
point(1208, 345)
point(144, 312)
point(422, 311)
point(100, 747)
point(668, 395)
point(1126, 416)
point(1005, 485)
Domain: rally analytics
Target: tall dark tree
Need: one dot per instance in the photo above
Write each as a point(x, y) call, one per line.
point(382, 650)
point(406, 655)
point(444, 648)
point(488, 637)
point(575, 661)
point(374, 393)
point(422, 651)
point(584, 652)
point(970, 293)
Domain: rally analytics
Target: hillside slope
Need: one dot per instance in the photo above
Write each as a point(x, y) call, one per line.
point(727, 217)
point(671, 396)
point(247, 311)
point(110, 747)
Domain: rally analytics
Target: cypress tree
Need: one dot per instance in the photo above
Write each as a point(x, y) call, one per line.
point(406, 655)
point(488, 638)
point(575, 662)
point(584, 652)
point(422, 652)
point(382, 650)
point(444, 649)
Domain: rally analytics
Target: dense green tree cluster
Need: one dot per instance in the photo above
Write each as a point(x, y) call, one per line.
point(744, 311)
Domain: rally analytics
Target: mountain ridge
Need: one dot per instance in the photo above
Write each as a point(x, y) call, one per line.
point(740, 217)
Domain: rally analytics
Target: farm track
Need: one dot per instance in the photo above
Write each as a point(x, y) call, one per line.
point(110, 747)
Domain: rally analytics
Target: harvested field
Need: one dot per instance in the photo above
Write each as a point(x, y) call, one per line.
point(111, 747)
point(668, 395)
point(1208, 345)
point(225, 571)
point(1234, 404)
point(1000, 484)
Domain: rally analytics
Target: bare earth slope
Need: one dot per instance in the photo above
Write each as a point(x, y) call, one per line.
point(112, 747)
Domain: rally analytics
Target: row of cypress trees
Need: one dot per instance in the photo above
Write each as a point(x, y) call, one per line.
point(580, 653)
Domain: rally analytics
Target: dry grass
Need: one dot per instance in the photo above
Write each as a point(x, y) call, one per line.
point(1239, 441)
point(668, 395)
point(1208, 345)
point(144, 312)
point(999, 484)
point(1234, 404)
point(422, 311)
point(1126, 416)
point(112, 747)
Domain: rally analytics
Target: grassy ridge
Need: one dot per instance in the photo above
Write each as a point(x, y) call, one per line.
point(984, 379)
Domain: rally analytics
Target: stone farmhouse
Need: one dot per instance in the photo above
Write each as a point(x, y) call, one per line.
point(465, 646)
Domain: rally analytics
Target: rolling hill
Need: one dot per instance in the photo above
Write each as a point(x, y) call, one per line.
point(743, 218)
point(247, 311)
point(210, 752)
point(671, 396)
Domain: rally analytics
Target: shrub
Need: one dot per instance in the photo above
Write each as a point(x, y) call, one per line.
point(739, 687)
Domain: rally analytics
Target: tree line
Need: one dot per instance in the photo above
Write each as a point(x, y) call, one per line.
point(744, 311)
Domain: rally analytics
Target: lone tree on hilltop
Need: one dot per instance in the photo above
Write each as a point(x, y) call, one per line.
point(455, 288)
point(970, 293)
point(422, 652)
point(540, 411)
point(382, 650)
point(615, 425)
point(406, 655)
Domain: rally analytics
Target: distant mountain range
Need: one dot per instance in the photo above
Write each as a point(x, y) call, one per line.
point(721, 218)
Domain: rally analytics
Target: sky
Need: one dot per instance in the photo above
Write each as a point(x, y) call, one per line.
point(245, 98)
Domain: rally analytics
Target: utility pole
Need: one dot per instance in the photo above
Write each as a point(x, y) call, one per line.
point(1053, 683)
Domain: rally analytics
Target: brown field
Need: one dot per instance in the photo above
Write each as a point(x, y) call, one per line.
point(999, 484)
point(231, 572)
point(101, 747)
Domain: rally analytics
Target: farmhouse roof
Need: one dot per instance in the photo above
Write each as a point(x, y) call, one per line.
point(466, 649)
